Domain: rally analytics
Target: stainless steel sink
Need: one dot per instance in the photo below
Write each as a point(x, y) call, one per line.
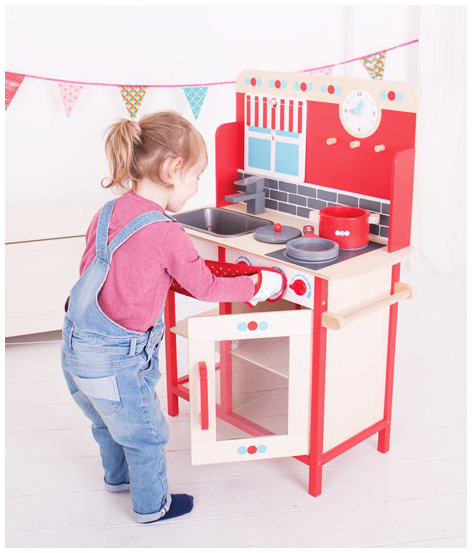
point(220, 222)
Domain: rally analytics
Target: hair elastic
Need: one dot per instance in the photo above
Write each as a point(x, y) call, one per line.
point(136, 124)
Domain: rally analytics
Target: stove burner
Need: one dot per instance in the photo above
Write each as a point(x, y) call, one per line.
point(343, 256)
point(297, 261)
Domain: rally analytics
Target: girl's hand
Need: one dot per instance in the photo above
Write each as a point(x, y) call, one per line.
point(255, 279)
point(270, 287)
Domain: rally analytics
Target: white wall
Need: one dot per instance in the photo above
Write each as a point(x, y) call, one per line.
point(53, 158)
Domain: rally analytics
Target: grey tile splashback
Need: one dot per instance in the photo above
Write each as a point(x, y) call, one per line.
point(300, 199)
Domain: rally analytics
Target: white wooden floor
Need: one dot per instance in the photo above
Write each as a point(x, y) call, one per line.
point(413, 496)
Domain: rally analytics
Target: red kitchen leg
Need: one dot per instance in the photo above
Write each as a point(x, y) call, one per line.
point(226, 365)
point(171, 355)
point(318, 388)
point(384, 436)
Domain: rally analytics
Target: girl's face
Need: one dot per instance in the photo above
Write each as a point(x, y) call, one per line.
point(185, 185)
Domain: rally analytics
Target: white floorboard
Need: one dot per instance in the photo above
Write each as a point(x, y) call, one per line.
point(413, 496)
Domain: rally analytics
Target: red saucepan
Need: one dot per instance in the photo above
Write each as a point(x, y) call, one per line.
point(348, 226)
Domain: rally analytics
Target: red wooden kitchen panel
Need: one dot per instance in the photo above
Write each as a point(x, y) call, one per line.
point(359, 170)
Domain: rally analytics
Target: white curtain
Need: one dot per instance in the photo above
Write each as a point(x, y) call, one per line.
point(439, 217)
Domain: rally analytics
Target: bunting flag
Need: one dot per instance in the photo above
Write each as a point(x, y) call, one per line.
point(325, 71)
point(196, 97)
point(133, 96)
point(12, 84)
point(375, 65)
point(69, 93)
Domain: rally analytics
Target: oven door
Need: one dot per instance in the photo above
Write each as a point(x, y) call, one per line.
point(250, 385)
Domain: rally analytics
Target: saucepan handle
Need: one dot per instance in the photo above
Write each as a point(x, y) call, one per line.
point(374, 218)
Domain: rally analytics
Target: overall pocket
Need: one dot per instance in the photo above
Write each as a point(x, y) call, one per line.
point(102, 391)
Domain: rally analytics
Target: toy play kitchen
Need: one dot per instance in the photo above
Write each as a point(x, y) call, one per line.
point(314, 179)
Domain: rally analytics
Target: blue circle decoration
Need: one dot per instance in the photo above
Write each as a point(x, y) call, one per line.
point(261, 448)
point(296, 85)
point(263, 325)
point(242, 450)
point(324, 89)
point(337, 90)
point(284, 84)
point(247, 80)
point(242, 326)
point(259, 81)
point(383, 95)
point(271, 83)
point(400, 96)
point(310, 87)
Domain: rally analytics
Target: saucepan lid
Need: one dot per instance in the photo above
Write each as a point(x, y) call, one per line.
point(276, 234)
point(312, 250)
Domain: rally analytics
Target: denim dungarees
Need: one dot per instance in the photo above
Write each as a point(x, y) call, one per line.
point(111, 373)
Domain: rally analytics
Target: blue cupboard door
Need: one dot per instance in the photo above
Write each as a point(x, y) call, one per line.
point(259, 153)
point(287, 158)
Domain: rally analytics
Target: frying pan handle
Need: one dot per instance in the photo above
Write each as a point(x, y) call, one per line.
point(374, 218)
point(309, 231)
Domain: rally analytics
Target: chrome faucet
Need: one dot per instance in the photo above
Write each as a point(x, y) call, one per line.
point(251, 191)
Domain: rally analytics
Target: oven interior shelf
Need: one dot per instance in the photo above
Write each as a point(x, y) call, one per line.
point(270, 354)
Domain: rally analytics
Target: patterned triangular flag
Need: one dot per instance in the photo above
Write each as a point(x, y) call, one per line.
point(12, 84)
point(375, 65)
point(69, 94)
point(133, 96)
point(325, 71)
point(196, 97)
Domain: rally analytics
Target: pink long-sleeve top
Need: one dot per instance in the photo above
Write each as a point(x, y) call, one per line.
point(143, 267)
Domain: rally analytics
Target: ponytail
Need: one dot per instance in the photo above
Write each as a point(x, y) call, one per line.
point(121, 140)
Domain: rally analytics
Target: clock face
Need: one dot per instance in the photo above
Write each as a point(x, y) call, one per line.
point(359, 113)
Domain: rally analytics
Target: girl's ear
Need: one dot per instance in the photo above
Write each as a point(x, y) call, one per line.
point(171, 166)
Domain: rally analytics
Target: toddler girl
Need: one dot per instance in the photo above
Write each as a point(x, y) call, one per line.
point(113, 325)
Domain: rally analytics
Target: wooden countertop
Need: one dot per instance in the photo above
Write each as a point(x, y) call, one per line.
point(365, 263)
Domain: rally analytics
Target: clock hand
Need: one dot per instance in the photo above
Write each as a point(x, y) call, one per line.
point(358, 109)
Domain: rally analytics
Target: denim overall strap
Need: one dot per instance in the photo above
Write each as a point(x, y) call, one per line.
point(136, 224)
point(103, 226)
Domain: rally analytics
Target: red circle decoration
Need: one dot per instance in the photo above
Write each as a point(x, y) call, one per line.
point(252, 449)
point(252, 325)
point(277, 84)
point(303, 87)
point(253, 81)
point(391, 95)
point(331, 89)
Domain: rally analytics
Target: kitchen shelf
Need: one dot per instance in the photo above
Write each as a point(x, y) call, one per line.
point(268, 353)
point(181, 327)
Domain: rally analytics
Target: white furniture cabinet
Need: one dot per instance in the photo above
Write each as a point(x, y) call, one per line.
point(43, 248)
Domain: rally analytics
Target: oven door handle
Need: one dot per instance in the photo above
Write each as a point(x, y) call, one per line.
point(335, 321)
point(204, 393)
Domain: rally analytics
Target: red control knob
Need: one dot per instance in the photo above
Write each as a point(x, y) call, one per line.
point(277, 227)
point(299, 287)
point(242, 262)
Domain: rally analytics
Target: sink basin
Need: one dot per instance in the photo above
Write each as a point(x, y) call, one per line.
point(220, 222)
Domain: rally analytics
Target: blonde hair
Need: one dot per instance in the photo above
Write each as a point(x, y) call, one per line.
point(138, 150)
